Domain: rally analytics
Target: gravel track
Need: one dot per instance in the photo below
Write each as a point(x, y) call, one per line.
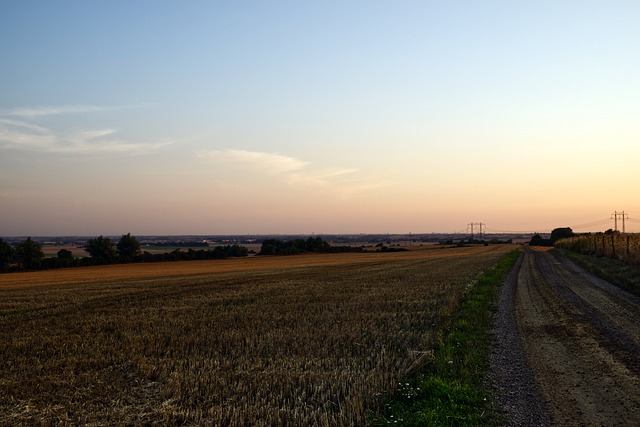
point(567, 348)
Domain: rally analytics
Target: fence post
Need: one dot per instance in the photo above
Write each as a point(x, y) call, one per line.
point(613, 246)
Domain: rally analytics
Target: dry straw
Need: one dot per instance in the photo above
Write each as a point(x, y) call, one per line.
point(303, 345)
point(625, 247)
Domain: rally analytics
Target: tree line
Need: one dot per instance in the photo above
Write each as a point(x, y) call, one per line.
point(28, 255)
point(301, 246)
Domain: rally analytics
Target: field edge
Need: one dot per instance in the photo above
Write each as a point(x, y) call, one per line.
point(454, 389)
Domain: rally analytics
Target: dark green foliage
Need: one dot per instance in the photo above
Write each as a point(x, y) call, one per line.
point(219, 252)
point(537, 240)
point(28, 254)
point(65, 255)
point(6, 255)
point(65, 258)
point(101, 248)
point(561, 233)
point(301, 246)
point(388, 249)
point(229, 251)
point(128, 247)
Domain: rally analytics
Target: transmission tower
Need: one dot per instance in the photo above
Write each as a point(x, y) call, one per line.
point(615, 215)
point(473, 224)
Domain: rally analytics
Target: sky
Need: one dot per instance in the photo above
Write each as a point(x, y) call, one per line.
point(290, 117)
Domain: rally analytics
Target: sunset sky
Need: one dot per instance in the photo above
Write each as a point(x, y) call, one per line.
point(194, 117)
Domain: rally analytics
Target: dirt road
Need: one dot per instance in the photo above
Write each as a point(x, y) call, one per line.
point(568, 346)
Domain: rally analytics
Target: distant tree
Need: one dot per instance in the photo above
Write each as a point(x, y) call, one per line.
point(101, 248)
point(270, 246)
point(65, 254)
point(537, 240)
point(222, 252)
point(301, 246)
point(317, 244)
point(387, 249)
point(128, 247)
point(29, 254)
point(65, 258)
point(6, 255)
point(561, 233)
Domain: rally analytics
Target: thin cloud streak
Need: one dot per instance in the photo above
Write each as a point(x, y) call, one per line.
point(26, 136)
point(62, 109)
point(320, 178)
point(26, 125)
point(90, 143)
point(296, 173)
point(21, 135)
point(273, 163)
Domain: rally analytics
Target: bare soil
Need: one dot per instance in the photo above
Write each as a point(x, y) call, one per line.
point(568, 346)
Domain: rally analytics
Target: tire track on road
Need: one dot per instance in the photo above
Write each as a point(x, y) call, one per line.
point(581, 338)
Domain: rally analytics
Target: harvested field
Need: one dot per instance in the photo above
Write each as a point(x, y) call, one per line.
point(301, 340)
point(52, 250)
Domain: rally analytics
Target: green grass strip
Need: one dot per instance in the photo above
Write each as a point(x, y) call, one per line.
point(453, 390)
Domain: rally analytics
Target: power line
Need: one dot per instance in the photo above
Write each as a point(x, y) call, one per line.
point(497, 230)
point(473, 226)
point(592, 224)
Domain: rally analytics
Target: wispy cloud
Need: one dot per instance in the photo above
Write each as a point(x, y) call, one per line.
point(297, 173)
point(21, 135)
point(272, 163)
point(61, 109)
point(317, 177)
point(25, 125)
point(101, 142)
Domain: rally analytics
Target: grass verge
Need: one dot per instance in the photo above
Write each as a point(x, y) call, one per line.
point(452, 390)
point(619, 273)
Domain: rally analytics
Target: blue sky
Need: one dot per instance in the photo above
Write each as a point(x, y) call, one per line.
point(326, 117)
